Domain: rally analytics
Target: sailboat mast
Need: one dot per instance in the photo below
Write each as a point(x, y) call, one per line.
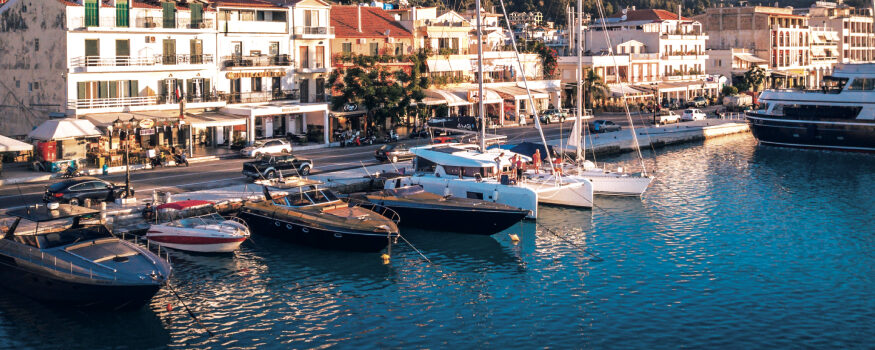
point(578, 24)
point(480, 108)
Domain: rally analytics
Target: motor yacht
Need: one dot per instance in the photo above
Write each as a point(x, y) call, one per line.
point(195, 226)
point(838, 116)
point(62, 254)
point(418, 208)
point(316, 217)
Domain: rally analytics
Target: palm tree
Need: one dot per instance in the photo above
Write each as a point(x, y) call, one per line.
point(594, 88)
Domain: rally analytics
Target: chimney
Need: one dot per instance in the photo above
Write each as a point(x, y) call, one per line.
point(359, 18)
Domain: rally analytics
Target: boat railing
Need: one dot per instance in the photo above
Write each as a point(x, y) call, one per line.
point(239, 221)
point(60, 265)
point(379, 209)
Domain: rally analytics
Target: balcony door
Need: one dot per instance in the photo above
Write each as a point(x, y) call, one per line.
point(305, 90)
point(320, 56)
point(169, 51)
point(92, 51)
point(122, 52)
point(235, 90)
point(197, 51)
point(305, 56)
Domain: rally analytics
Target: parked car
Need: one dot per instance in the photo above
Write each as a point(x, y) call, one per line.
point(272, 166)
point(553, 116)
point(266, 147)
point(423, 133)
point(76, 191)
point(597, 126)
point(393, 153)
point(667, 116)
point(698, 102)
point(693, 114)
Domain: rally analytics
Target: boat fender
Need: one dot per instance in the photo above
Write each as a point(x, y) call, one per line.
point(514, 238)
point(385, 258)
point(447, 191)
point(495, 194)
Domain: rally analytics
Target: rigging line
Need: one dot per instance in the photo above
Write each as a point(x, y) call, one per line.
point(190, 313)
point(414, 248)
point(594, 257)
point(526, 83)
point(601, 11)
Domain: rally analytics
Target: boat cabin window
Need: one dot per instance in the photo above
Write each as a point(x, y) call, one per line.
point(424, 165)
point(833, 85)
point(467, 171)
point(66, 237)
point(862, 84)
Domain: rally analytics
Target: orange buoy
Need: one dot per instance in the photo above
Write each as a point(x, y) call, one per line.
point(169, 307)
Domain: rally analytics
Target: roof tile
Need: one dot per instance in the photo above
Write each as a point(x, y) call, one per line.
point(375, 23)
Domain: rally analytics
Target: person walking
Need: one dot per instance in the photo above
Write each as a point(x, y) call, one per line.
point(498, 166)
point(536, 161)
point(518, 165)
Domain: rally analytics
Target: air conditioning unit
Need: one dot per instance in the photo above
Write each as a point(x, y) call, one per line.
point(150, 39)
point(150, 24)
point(391, 40)
point(360, 41)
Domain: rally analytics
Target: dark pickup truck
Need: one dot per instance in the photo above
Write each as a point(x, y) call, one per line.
point(270, 166)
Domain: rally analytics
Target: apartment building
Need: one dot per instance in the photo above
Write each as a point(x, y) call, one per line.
point(733, 63)
point(370, 31)
point(856, 39)
point(772, 33)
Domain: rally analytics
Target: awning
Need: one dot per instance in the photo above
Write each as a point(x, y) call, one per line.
point(439, 97)
point(205, 120)
point(448, 65)
point(13, 145)
point(518, 93)
point(491, 96)
point(750, 58)
point(63, 129)
point(627, 91)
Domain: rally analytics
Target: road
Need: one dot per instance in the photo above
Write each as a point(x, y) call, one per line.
point(227, 172)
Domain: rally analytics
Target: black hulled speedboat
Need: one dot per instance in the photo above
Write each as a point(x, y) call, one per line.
point(316, 217)
point(422, 209)
point(61, 254)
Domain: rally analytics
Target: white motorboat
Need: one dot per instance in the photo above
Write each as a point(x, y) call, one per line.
point(206, 231)
point(608, 183)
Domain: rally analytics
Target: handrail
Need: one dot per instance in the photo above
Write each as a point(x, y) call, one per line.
point(122, 61)
point(379, 209)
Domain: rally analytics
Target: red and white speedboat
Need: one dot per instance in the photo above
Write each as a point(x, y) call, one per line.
point(195, 226)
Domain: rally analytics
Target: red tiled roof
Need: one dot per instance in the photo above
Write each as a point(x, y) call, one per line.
point(655, 15)
point(375, 23)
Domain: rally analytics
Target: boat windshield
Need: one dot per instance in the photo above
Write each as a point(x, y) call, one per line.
point(833, 85)
point(56, 233)
point(310, 197)
point(208, 219)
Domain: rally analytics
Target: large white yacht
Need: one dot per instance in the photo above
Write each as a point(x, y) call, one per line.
point(839, 116)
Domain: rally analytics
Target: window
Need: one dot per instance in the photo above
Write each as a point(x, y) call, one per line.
point(305, 90)
point(346, 47)
point(859, 84)
point(168, 14)
point(304, 56)
point(311, 18)
point(169, 51)
point(320, 56)
point(92, 15)
point(197, 51)
point(197, 14)
point(274, 48)
point(122, 17)
point(36, 45)
point(374, 49)
point(198, 89)
point(122, 52)
point(247, 15)
point(92, 51)
point(256, 84)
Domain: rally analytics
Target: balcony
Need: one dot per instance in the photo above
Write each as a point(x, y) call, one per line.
point(691, 55)
point(235, 26)
point(314, 32)
point(178, 23)
point(111, 102)
point(96, 63)
point(160, 102)
point(256, 61)
point(260, 96)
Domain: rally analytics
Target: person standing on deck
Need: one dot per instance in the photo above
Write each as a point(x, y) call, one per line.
point(536, 161)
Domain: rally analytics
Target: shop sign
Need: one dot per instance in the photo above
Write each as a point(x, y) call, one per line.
point(261, 74)
point(147, 131)
point(290, 109)
point(350, 107)
point(147, 123)
point(473, 95)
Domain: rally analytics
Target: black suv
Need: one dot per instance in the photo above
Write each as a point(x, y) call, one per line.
point(270, 167)
point(393, 152)
point(76, 191)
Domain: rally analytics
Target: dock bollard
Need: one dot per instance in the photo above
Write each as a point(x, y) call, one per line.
point(154, 197)
point(103, 211)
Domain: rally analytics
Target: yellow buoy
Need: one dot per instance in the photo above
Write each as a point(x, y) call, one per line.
point(385, 258)
point(514, 238)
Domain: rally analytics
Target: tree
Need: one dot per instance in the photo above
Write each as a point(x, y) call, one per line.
point(753, 79)
point(729, 90)
point(594, 88)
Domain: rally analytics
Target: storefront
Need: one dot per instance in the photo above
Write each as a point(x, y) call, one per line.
point(283, 119)
point(517, 103)
point(60, 141)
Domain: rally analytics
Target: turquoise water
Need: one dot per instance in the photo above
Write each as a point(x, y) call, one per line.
point(734, 246)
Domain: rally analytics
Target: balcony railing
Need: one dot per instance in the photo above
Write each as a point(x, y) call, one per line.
point(122, 61)
point(301, 30)
point(260, 96)
point(111, 102)
point(256, 61)
point(178, 23)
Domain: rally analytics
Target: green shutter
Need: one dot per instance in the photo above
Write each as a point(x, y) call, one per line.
point(92, 13)
point(81, 90)
point(197, 14)
point(189, 86)
point(122, 17)
point(169, 14)
point(206, 88)
point(92, 47)
point(122, 48)
point(134, 88)
point(113, 89)
point(104, 89)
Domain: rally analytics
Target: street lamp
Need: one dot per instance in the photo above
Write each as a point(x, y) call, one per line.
point(128, 126)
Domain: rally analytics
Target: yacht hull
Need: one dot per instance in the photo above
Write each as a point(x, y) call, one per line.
point(852, 135)
point(195, 240)
point(615, 185)
point(299, 232)
point(570, 194)
point(514, 196)
point(461, 220)
point(74, 292)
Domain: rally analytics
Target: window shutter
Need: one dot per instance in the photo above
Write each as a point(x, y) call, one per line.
point(81, 90)
point(206, 89)
point(113, 89)
point(92, 16)
point(122, 18)
point(162, 90)
point(189, 86)
point(169, 14)
point(197, 14)
point(104, 89)
point(134, 88)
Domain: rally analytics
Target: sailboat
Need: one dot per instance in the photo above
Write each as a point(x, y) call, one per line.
point(471, 171)
point(604, 182)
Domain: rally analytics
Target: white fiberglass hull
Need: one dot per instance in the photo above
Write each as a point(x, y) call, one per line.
point(197, 239)
point(577, 193)
point(614, 184)
point(489, 190)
